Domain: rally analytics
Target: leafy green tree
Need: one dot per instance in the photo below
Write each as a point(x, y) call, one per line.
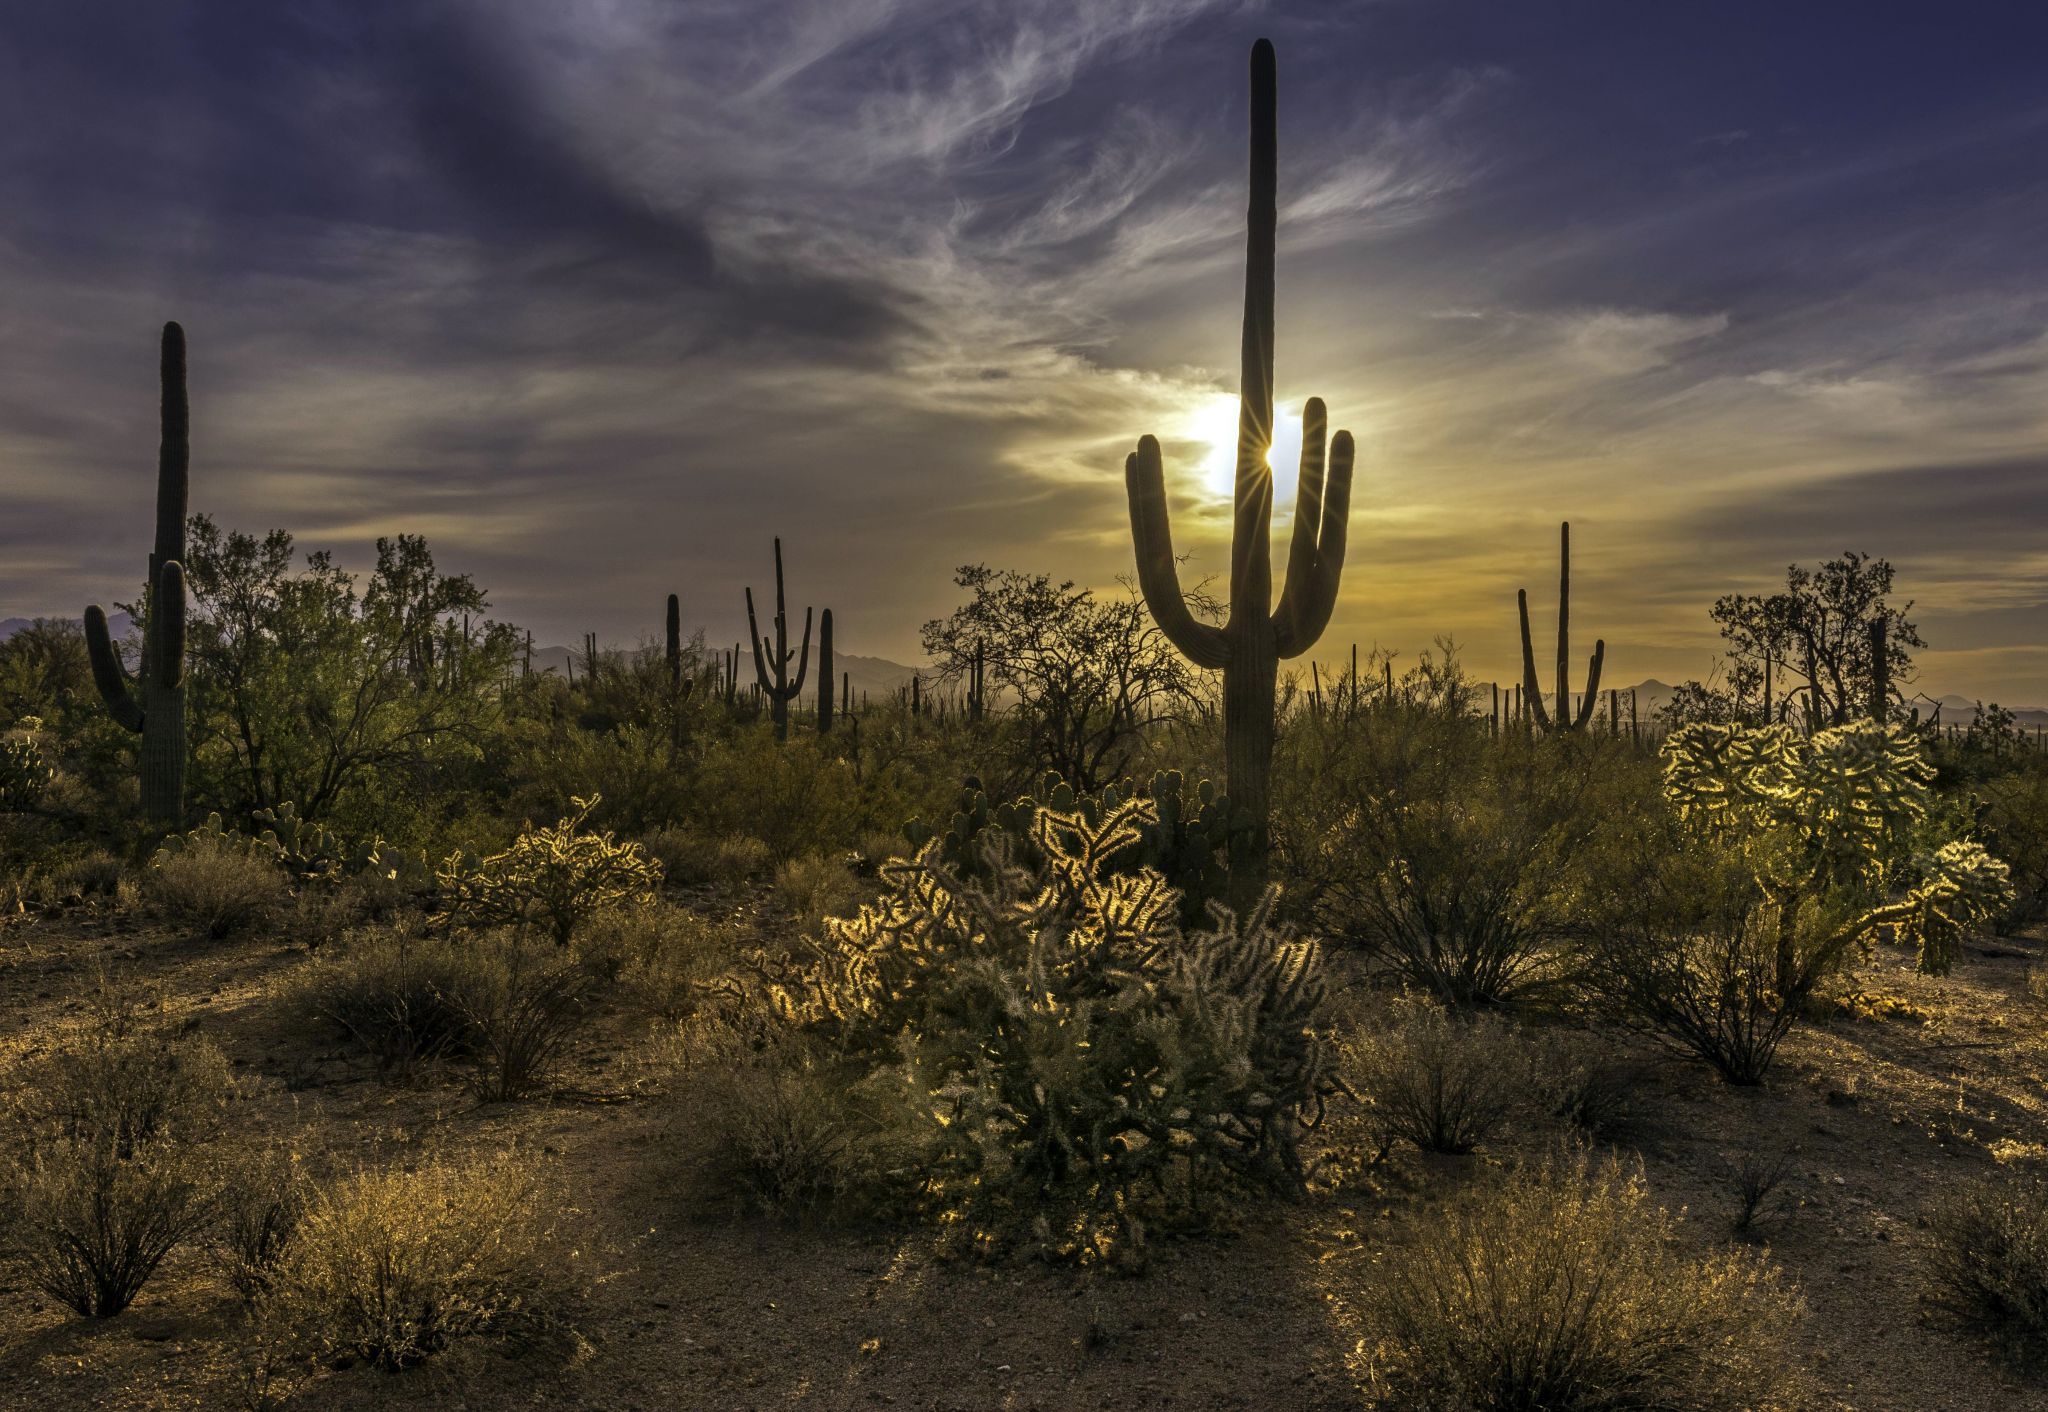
point(1815, 638)
point(1087, 673)
point(306, 689)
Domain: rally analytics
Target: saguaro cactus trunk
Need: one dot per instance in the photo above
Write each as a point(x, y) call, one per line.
point(1566, 719)
point(776, 685)
point(152, 702)
point(825, 678)
point(1880, 673)
point(1251, 642)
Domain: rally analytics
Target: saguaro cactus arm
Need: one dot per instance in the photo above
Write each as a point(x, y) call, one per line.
point(754, 636)
point(1592, 684)
point(803, 662)
point(1322, 514)
point(109, 672)
point(1532, 694)
point(1158, 574)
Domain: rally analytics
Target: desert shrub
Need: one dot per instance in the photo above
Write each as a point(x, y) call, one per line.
point(800, 796)
point(395, 993)
point(814, 888)
point(739, 859)
point(524, 1001)
point(687, 856)
point(97, 1218)
point(1562, 1289)
point(126, 1082)
point(1577, 1081)
point(1754, 1179)
point(220, 883)
point(1989, 1260)
point(1691, 953)
point(2014, 825)
point(557, 877)
point(1060, 1032)
point(263, 1193)
point(784, 1117)
point(1452, 859)
point(93, 876)
point(109, 1183)
point(391, 1267)
point(664, 959)
point(1442, 1081)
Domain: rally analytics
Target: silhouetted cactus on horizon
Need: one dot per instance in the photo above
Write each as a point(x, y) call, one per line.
point(1251, 642)
point(825, 679)
point(152, 702)
point(776, 685)
point(1565, 719)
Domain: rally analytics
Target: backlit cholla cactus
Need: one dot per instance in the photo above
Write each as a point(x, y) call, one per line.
point(152, 702)
point(1256, 635)
point(1060, 1028)
point(1838, 826)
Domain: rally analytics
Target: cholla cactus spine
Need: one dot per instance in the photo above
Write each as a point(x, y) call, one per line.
point(1565, 719)
point(152, 702)
point(1250, 644)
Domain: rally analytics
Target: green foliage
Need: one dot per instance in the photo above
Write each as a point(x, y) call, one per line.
point(24, 773)
point(1055, 1028)
point(352, 701)
point(1564, 1288)
point(558, 877)
point(1837, 825)
point(1456, 862)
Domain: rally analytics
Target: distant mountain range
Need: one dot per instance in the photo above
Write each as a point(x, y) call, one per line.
point(881, 678)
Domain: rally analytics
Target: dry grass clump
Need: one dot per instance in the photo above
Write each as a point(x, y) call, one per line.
point(815, 887)
point(664, 960)
point(782, 1116)
point(1562, 1289)
point(391, 1267)
point(215, 887)
point(1990, 1260)
point(1443, 1081)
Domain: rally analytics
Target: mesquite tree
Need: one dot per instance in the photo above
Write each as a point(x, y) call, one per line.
point(1255, 636)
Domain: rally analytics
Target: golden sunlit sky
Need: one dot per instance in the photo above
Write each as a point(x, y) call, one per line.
point(603, 296)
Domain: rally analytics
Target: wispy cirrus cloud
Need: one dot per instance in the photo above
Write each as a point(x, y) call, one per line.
point(605, 294)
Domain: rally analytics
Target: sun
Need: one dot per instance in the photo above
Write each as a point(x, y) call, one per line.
point(1213, 424)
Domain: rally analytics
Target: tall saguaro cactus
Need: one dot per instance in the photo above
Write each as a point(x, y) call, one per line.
point(776, 684)
point(1251, 642)
point(1565, 719)
point(825, 678)
point(152, 702)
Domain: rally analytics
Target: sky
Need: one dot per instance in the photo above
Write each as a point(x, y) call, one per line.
point(603, 295)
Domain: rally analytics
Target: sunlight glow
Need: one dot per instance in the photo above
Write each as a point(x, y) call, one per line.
point(1213, 424)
